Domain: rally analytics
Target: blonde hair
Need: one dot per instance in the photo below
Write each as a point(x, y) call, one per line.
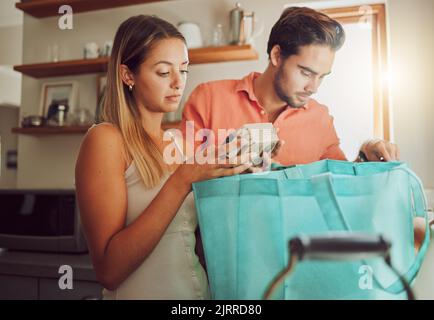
point(134, 39)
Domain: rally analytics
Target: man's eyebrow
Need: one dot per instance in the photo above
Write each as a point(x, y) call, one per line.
point(170, 63)
point(312, 71)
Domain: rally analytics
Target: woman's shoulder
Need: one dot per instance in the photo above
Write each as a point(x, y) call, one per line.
point(104, 132)
point(104, 125)
point(105, 139)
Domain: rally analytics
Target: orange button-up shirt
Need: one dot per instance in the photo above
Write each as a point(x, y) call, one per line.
point(308, 132)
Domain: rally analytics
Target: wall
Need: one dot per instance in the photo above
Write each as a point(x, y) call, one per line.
point(411, 47)
point(8, 120)
point(48, 162)
point(11, 31)
point(10, 86)
point(12, 45)
point(11, 38)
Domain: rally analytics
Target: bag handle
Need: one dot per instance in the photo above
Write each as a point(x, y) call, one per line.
point(420, 207)
point(418, 193)
point(327, 200)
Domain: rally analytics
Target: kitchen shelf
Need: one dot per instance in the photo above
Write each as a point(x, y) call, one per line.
point(171, 125)
point(222, 54)
point(50, 8)
point(51, 130)
point(73, 129)
point(63, 68)
point(85, 66)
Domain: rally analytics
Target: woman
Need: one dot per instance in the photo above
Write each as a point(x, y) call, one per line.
point(137, 212)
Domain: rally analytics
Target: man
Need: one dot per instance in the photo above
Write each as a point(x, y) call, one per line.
point(301, 49)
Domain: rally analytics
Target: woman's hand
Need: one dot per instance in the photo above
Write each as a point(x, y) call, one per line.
point(191, 171)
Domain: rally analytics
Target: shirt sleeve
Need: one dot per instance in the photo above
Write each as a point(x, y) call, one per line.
point(195, 115)
point(334, 152)
point(332, 149)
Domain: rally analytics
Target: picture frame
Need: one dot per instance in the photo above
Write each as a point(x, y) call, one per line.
point(11, 159)
point(62, 91)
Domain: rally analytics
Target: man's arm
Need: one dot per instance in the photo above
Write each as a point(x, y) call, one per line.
point(332, 142)
point(334, 152)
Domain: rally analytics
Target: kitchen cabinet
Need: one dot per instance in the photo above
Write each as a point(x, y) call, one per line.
point(18, 288)
point(34, 276)
point(82, 290)
point(32, 288)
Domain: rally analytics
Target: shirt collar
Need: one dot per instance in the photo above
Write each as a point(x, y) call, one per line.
point(246, 85)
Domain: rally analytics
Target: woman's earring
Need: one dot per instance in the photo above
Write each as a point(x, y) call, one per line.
point(130, 87)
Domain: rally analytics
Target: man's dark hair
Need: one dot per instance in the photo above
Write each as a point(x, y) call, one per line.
point(300, 26)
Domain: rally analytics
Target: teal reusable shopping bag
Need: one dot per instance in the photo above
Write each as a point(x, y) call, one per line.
point(247, 220)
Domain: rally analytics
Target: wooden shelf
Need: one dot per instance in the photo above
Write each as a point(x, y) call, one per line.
point(74, 129)
point(171, 125)
point(51, 130)
point(222, 54)
point(85, 66)
point(50, 8)
point(63, 68)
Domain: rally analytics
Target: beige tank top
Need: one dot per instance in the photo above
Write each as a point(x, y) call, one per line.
point(172, 270)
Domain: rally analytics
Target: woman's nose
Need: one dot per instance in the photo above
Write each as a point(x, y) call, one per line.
point(178, 82)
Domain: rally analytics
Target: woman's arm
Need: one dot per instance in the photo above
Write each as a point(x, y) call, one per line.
point(117, 250)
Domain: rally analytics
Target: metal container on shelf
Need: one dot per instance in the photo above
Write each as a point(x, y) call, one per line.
point(241, 25)
point(235, 18)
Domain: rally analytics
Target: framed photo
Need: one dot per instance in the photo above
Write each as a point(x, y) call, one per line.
point(58, 92)
point(11, 159)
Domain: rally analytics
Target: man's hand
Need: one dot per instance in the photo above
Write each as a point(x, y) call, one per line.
point(380, 150)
